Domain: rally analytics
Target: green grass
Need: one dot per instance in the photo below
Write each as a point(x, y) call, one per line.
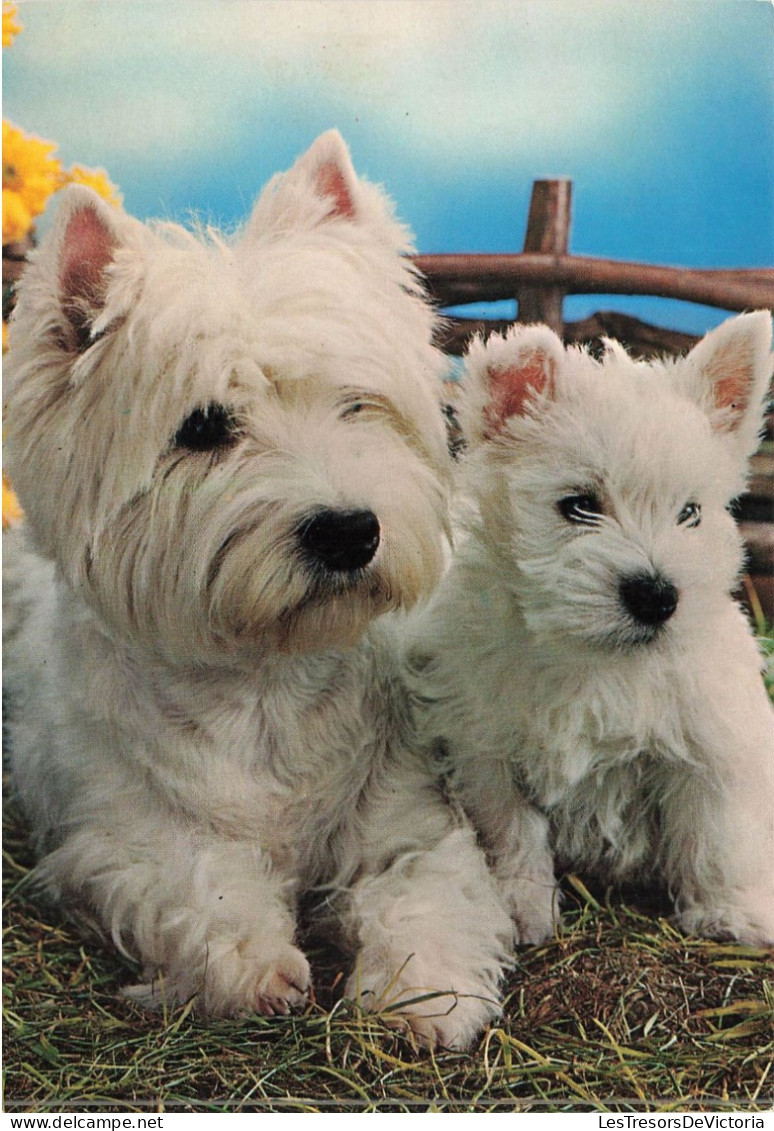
point(620, 1013)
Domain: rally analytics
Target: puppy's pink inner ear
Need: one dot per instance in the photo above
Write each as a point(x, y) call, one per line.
point(332, 182)
point(733, 388)
point(732, 392)
point(730, 371)
point(88, 247)
point(512, 387)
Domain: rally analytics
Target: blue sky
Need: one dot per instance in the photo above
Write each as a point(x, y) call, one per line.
point(661, 111)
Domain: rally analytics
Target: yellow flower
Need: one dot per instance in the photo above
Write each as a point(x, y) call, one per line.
point(29, 169)
point(96, 179)
point(12, 512)
point(17, 219)
point(10, 27)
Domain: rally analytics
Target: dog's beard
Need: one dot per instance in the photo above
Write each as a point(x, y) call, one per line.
point(335, 613)
point(279, 598)
point(603, 631)
point(626, 635)
point(271, 589)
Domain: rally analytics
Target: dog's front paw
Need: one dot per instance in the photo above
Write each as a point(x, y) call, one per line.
point(436, 1017)
point(245, 979)
point(750, 921)
point(284, 985)
point(445, 1028)
point(236, 981)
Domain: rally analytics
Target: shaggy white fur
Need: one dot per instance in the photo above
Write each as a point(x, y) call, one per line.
point(594, 688)
point(231, 458)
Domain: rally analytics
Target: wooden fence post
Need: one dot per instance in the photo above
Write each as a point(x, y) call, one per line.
point(548, 233)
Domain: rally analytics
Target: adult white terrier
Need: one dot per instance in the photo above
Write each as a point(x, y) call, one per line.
point(595, 689)
point(231, 458)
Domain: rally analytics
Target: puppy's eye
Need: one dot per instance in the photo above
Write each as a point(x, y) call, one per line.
point(206, 428)
point(583, 509)
point(690, 515)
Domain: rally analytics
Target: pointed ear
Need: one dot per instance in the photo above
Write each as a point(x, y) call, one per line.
point(87, 247)
point(331, 174)
point(321, 187)
point(509, 374)
point(729, 372)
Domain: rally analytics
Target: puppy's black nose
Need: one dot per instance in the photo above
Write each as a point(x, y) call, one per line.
point(341, 540)
point(650, 599)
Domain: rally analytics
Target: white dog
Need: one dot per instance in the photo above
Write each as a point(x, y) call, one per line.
point(595, 689)
point(231, 458)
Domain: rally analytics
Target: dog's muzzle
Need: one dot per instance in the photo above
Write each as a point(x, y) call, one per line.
point(340, 541)
point(649, 598)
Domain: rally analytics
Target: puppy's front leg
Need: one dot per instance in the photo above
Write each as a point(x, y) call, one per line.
point(205, 915)
point(718, 823)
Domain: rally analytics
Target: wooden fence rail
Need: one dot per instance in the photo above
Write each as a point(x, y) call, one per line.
point(458, 279)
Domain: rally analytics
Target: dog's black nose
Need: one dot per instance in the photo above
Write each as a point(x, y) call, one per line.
point(341, 540)
point(650, 599)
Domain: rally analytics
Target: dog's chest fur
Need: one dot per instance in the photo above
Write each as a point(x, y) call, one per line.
point(596, 757)
point(278, 754)
point(591, 744)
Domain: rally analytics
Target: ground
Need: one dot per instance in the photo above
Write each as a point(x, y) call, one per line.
point(621, 1012)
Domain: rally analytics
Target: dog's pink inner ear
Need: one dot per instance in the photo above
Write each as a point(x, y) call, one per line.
point(88, 247)
point(332, 182)
point(732, 392)
point(511, 388)
point(731, 373)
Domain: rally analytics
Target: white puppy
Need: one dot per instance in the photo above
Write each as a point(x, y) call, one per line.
point(593, 686)
point(232, 459)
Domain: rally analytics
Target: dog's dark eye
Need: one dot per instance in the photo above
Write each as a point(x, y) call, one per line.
point(352, 409)
point(363, 403)
point(206, 429)
point(583, 509)
point(690, 515)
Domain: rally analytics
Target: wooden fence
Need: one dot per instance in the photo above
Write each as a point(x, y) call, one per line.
point(539, 277)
